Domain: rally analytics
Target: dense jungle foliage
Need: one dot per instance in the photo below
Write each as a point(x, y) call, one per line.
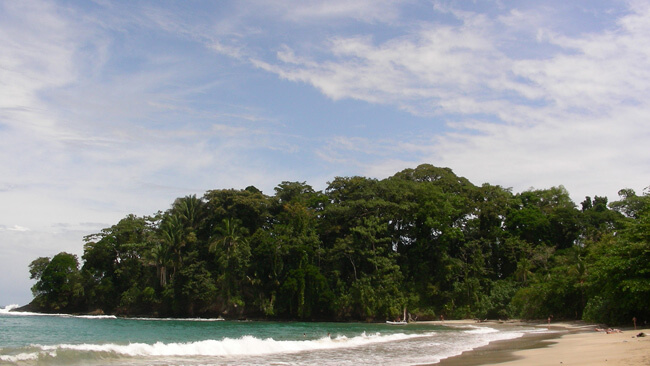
point(366, 249)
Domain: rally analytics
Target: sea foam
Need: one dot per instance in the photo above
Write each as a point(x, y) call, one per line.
point(7, 310)
point(244, 346)
point(481, 330)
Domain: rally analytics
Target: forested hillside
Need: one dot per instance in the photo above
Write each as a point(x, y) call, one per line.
point(365, 249)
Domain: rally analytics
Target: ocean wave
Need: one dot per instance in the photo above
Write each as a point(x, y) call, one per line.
point(481, 330)
point(92, 316)
point(20, 357)
point(178, 319)
point(545, 331)
point(7, 310)
point(244, 346)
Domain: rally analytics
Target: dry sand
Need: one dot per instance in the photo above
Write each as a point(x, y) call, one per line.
point(589, 348)
point(574, 344)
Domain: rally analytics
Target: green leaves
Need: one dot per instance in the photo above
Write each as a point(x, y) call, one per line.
point(364, 249)
point(620, 275)
point(58, 282)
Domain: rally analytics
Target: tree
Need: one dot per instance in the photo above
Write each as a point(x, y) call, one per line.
point(546, 217)
point(36, 269)
point(597, 220)
point(115, 261)
point(174, 239)
point(619, 275)
point(365, 248)
point(194, 289)
point(630, 204)
point(232, 251)
point(58, 283)
point(162, 258)
point(249, 206)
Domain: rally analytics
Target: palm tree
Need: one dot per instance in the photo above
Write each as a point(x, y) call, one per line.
point(524, 270)
point(172, 235)
point(228, 236)
point(190, 211)
point(162, 258)
point(232, 252)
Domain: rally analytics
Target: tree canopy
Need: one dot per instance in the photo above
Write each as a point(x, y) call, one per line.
point(366, 249)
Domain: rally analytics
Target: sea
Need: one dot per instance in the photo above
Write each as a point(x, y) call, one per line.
point(38, 339)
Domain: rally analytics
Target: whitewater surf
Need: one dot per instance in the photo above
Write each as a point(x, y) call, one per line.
point(37, 339)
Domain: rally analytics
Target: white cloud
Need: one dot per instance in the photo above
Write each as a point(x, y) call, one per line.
point(30, 31)
point(575, 114)
point(461, 69)
point(426, 72)
point(599, 71)
point(13, 228)
point(309, 11)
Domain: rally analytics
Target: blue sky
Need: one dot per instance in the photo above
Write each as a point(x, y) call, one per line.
point(116, 107)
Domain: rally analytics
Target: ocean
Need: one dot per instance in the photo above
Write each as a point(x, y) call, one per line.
point(36, 339)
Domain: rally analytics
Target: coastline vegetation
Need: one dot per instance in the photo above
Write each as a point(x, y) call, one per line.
point(365, 249)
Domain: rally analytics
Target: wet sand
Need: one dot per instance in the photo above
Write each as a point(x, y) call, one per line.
point(573, 344)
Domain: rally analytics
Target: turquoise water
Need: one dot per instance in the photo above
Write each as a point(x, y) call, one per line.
point(32, 339)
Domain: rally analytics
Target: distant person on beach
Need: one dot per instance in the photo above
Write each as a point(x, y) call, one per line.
point(442, 318)
point(634, 321)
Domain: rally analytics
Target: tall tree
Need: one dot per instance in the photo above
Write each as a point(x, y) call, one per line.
point(232, 251)
point(619, 275)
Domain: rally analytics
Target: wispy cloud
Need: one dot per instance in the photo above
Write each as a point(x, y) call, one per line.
point(13, 228)
point(535, 120)
point(92, 129)
point(362, 10)
point(428, 72)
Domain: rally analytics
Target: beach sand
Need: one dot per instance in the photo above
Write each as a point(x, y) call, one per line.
point(573, 344)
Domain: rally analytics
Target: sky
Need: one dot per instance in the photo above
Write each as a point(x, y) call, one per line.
point(110, 108)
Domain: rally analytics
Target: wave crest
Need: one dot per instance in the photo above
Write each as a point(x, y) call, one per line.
point(244, 346)
point(481, 330)
point(8, 308)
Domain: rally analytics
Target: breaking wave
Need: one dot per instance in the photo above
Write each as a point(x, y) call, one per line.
point(8, 308)
point(481, 330)
point(244, 346)
point(7, 311)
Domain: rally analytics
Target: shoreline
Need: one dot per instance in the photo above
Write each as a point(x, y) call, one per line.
point(569, 343)
point(573, 343)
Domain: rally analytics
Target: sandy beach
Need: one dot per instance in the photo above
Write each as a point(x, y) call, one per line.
point(573, 344)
